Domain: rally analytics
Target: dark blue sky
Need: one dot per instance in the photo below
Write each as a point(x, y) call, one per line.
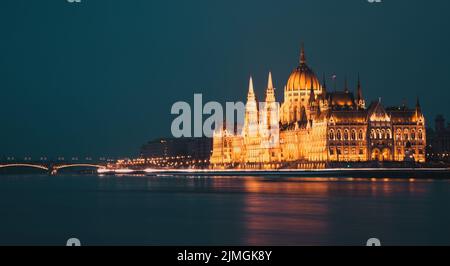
point(100, 77)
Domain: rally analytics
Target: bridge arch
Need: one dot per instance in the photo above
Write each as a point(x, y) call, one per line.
point(37, 166)
point(65, 166)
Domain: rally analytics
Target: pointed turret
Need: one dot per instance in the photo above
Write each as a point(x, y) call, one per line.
point(360, 96)
point(269, 81)
point(418, 107)
point(251, 91)
point(270, 91)
point(251, 113)
point(359, 99)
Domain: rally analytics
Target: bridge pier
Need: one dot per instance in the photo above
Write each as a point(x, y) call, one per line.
point(53, 171)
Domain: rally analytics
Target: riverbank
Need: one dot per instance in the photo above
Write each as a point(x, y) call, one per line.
point(426, 173)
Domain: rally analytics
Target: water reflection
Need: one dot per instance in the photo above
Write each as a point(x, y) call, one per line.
point(292, 212)
point(324, 211)
point(304, 211)
point(192, 210)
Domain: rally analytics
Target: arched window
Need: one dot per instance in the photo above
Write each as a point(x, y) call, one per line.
point(389, 134)
point(372, 134)
point(360, 135)
point(383, 134)
point(399, 134)
point(353, 135)
point(379, 136)
point(406, 134)
point(420, 135)
point(413, 134)
point(346, 134)
point(331, 134)
point(338, 135)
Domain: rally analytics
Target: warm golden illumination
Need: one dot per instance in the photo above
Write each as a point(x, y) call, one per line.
point(318, 128)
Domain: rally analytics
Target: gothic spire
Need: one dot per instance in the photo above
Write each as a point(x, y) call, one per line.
point(418, 107)
point(251, 91)
point(360, 96)
point(270, 93)
point(269, 81)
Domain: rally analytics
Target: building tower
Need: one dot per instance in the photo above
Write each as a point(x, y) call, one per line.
point(269, 125)
point(252, 140)
point(251, 113)
point(297, 91)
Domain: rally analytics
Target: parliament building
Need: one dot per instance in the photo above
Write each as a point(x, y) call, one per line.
point(315, 127)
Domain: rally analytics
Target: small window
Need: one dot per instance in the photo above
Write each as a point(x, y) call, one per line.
point(331, 134)
point(360, 135)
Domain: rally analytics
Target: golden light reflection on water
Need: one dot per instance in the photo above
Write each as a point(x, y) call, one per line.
point(266, 214)
point(289, 210)
point(278, 211)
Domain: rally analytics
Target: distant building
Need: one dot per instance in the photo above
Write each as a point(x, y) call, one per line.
point(439, 141)
point(177, 152)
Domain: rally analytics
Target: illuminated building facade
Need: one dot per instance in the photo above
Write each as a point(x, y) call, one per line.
point(316, 127)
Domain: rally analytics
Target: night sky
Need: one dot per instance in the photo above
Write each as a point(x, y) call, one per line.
point(99, 77)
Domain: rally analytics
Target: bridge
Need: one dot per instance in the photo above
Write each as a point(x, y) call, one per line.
point(51, 167)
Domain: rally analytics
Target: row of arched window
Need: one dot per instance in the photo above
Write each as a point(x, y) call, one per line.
point(353, 134)
point(406, 134)
point(346, 134)
point(381, 134)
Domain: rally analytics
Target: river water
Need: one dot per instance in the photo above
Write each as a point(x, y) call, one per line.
point(167, 210)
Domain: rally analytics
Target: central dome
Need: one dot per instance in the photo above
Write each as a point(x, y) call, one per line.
point(302, 77)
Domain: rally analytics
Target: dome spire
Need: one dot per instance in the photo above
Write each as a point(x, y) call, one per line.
point(302, 55)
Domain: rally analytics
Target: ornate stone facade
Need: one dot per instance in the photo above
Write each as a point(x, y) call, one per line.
point(314, 127)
